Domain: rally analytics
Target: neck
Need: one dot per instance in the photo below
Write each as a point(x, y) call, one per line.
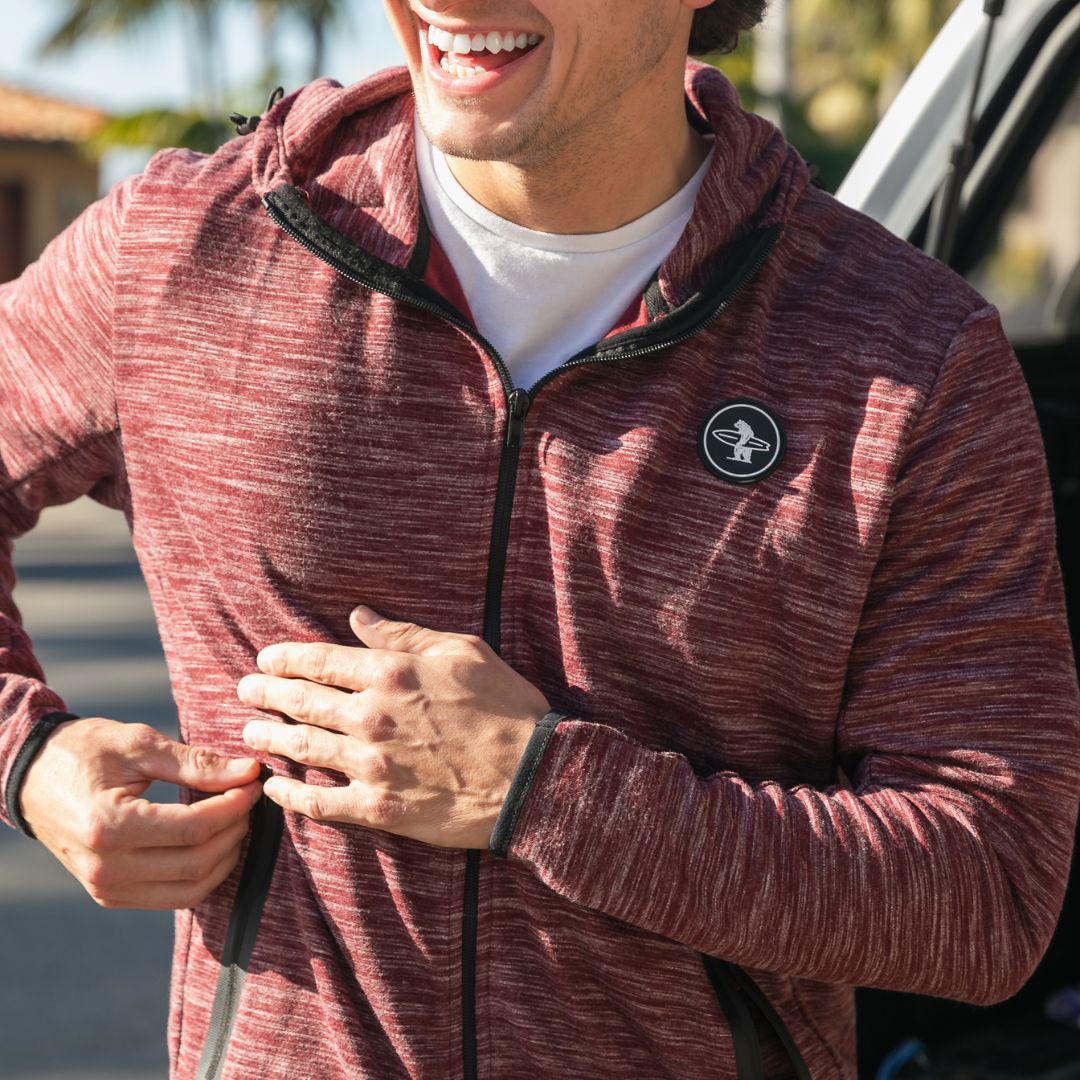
point(610, 172)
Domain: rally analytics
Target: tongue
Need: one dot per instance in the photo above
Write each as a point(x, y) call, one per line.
point(487, 61)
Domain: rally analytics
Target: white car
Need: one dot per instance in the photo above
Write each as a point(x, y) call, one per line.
point(1017, 240)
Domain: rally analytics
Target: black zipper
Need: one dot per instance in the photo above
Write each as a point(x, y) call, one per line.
point(469, 918)
point(265, 838)
point(289, 210)
point(519, 402)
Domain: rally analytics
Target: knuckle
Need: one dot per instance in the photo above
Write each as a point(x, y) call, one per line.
point(383, 812)
point(395, 673)
point(193, 833)
point(312, 806)
point(314, 663)
point(475, 644)
point(375, 723)
point(202, 759)
point(300, 743)
point(194, 869)
point(97, 833)
point(376, 768)
point(300, 696)
point(95, 874)
point(140, 737)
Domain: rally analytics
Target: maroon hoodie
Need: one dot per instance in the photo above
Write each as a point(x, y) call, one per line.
point(780, 549)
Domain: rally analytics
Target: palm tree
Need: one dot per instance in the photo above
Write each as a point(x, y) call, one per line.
point(201, 127)
point(317, 16)
point(83, 19)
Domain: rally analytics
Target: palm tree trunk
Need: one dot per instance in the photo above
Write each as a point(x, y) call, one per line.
point(317, 28)
point(772, 62)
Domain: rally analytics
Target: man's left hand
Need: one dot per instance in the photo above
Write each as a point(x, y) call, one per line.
point(428, 727)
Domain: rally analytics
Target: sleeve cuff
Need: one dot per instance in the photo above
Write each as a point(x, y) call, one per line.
point(503, 832)
point(44, 727)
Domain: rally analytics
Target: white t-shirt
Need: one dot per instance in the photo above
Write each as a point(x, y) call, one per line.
point(539, 297)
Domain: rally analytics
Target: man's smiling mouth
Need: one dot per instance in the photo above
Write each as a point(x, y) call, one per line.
point(465, 54)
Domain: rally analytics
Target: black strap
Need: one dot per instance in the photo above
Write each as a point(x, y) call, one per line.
point(29, 750)
point(737, 992)
point(740, 1022)
point(503, 831)
point(753, 992)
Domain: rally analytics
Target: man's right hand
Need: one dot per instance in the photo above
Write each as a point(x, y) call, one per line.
point(82, 798)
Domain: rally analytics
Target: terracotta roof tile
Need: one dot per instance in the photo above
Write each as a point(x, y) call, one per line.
point(27, 114)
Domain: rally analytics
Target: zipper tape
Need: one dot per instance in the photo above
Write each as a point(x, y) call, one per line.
point(737, 992)
point(290, 211)
point(267, 820)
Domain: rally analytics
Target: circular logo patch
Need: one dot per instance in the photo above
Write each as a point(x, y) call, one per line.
point(741, 441)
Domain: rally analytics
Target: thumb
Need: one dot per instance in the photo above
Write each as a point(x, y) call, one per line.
point(196, 766)
point(379, 633)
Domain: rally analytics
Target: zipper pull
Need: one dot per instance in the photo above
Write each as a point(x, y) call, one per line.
point(519, 406)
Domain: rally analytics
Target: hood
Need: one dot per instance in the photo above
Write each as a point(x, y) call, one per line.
point(349, 151)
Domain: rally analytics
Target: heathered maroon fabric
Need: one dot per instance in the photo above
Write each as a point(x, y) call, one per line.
point(886, 606)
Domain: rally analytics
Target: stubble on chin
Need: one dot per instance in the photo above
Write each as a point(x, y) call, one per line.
point(511, 145)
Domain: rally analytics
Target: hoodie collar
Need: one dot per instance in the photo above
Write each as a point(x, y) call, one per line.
point(350, 152)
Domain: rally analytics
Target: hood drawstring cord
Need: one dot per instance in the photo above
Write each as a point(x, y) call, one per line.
point(245, 125)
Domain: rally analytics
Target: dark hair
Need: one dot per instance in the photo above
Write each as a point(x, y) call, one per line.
point(716, 28)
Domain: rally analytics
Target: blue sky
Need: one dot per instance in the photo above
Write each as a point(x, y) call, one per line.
point(150, 68)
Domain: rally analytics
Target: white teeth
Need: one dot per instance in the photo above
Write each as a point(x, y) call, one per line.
point(492, 42)
point(458, 70)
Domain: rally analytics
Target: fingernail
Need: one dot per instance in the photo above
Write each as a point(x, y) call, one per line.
point(365, 616)
point(254, 733)
point(266, 657)
point(240, 765)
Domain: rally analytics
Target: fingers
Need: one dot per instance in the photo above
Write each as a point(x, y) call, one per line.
point(379, 633)
point(126, 870)
point(303, 744)
point(298, 698)
point(355, 804)
point(348, 666)
point(169, 895)
point(177, 874)
point(137, 823)
point(193, 766)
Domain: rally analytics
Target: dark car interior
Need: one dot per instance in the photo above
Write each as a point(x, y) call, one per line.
point(1018, 242)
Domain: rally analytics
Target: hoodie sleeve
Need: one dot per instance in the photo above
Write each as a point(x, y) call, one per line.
point(59, 439)
point(941, 868)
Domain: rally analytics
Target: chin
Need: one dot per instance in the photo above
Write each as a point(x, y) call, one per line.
point(471, 141)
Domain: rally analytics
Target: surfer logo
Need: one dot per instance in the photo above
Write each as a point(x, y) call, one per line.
point(741, 441)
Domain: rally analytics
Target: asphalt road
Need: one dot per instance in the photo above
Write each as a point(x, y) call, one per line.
point(84, 991)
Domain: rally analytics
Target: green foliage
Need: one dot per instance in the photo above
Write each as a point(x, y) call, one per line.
point(847, 60)
point(198, 128)
point(84, 19)
point(158, 128)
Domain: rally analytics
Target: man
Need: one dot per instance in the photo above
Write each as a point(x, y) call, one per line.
point(607, 752)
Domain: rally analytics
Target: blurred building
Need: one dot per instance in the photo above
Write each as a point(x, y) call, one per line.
point(45, 178)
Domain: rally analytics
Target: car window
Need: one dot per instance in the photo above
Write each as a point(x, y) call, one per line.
point(1031, 268)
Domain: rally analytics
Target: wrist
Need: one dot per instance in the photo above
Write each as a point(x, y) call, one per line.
point(29, 754)
point(532, 754)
